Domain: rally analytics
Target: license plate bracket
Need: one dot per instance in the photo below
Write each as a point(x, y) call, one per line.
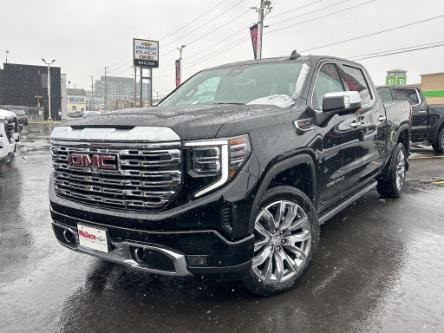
point(93, 238)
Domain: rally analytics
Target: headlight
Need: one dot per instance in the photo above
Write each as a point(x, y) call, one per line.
point(217, 160)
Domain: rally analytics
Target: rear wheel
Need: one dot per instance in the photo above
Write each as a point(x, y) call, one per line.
point(391, 185)
point(286, 236)
point(438, 144)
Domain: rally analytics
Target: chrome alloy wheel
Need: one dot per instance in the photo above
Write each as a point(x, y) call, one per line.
point(400, 170)
point(282, 241)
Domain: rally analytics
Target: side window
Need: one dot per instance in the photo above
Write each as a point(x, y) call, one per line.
point(328, 81)
point(385, 95)
point(409, 95)
point(354, 80)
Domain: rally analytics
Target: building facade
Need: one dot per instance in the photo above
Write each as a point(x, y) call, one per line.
point(64, 97)
point(27, 85)
point(118, 93)
point(433, 87)
point(396, 77)
point(76, 100)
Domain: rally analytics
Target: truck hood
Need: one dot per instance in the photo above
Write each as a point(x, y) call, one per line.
point(190, 121)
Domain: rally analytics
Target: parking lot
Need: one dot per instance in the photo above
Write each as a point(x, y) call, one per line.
point(379, 268)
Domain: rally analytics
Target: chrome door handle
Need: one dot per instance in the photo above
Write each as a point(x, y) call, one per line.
point(382, 118)
point(355, 124)
point(422, 111)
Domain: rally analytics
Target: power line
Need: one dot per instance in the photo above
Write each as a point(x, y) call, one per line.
point(233, 34)
point(195, 20)
point(246, 28)
point(214, 30)
point(321, 17)
point(226, 48)
point(211, 20)
point(124, 60)
point(311, 12)
point(296, 9)
point(399, 51)
point(374, 33)
point(229, 47)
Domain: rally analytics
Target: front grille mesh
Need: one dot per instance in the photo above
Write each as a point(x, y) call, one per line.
point(148, 177)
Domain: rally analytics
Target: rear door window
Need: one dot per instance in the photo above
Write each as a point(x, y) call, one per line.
point(385, 94)
point(405, 94)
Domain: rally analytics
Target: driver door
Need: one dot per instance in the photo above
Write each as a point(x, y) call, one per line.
point(340, 155)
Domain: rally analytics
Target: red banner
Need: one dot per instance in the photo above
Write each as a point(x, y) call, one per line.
point(178, 70)
point(254, 35)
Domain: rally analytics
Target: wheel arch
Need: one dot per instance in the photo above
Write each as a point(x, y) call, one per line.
point(304, 161)
point(403, 136)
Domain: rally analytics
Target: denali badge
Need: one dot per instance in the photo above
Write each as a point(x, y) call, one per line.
point(108, 162)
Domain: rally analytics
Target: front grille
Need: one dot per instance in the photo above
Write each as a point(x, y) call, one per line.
point(148, 176)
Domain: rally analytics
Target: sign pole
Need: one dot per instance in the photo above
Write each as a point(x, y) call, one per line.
point(135, 86)
point(146, 55)
point(141, 85)
point(151, 87)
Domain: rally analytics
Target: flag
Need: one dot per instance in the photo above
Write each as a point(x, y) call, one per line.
point(178, 69)
point(253, 34)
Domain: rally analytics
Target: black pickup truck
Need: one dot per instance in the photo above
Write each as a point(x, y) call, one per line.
point(232, 174)
point(427, 120)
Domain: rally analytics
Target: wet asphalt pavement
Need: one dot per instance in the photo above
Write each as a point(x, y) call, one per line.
point(380, 268)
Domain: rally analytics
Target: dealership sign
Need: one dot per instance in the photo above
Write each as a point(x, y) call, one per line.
point(146, 53)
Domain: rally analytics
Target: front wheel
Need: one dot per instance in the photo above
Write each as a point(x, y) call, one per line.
point(392, 183)
point(438, 144)
point(286, 237)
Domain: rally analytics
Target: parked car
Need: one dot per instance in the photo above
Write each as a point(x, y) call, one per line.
point(427, 120)
point(91, 113)
point(9, 135)
point(22, 117)
point(77, 114)
point(232, 174)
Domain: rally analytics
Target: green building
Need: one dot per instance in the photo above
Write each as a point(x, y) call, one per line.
point(396, 77)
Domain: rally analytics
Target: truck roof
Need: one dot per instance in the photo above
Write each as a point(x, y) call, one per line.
point(302, 58)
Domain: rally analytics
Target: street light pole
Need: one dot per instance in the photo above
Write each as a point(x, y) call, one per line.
point(6, 52)
point(264, 9)
point(180, 49)
point(49, 63)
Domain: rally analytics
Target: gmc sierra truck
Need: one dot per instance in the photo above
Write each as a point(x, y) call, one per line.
point(232, 174)
point(427, 120)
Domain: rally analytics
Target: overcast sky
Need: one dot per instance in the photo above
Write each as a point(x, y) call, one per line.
point(86, 35)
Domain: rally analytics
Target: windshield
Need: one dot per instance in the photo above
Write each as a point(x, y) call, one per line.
point(269, 83)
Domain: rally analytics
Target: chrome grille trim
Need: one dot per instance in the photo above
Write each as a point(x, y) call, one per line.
point(149, 176)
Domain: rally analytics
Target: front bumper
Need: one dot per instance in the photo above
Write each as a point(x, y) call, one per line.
point(178, 253)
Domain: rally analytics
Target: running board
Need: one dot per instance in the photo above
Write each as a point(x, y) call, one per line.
point(328, 215)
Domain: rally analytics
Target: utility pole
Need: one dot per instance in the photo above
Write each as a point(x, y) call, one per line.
point(263, 10)
point(179, 79)
point(92, 92)
point(106, 90)
point(49, 63)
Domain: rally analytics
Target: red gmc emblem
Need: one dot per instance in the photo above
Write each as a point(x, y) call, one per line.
point(97, 161)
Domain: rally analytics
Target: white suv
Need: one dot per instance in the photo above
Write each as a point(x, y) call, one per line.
point(9, 135)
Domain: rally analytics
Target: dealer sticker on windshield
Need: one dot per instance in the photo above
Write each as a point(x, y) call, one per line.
point(93, 238)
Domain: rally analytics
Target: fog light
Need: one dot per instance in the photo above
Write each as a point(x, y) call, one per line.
point(197, 260)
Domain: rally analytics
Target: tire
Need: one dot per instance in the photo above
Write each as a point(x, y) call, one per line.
point(285, 248)
point(391, 184)
point(438, 143)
